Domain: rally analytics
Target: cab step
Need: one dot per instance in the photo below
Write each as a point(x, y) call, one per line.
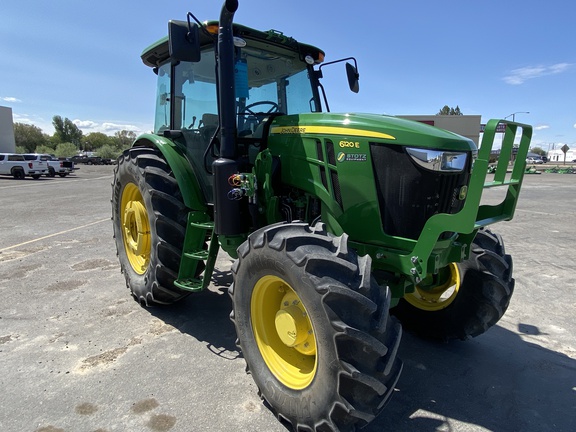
point(199, 231)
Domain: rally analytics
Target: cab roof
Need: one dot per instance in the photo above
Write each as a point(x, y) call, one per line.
point(158, 53)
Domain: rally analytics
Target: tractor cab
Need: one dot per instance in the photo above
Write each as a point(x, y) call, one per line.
point(273, 75)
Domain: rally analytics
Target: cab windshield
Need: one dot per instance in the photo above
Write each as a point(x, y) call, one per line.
point(266, 82)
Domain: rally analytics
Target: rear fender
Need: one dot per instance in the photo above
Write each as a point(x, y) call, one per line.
point(181, 168)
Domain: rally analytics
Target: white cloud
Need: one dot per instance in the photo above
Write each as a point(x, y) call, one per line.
point(113, 127)
point(32, 119)
point(107, 127)
point(21, 118)
point(541, 127)
point(519, 76)
point(559, 68)
point(85, 124)
point(10, 99)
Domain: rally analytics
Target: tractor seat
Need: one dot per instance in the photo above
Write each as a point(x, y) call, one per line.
point(209, 120)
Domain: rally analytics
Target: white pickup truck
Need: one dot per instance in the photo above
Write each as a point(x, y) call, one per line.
point(16, 166)
point(55, 165)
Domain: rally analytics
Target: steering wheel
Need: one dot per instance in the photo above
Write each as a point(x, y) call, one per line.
point(248, 108)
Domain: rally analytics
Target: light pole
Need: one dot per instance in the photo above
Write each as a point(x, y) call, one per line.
point(513, 115)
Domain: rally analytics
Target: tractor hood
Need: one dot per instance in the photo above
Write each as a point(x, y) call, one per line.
point(372, 127)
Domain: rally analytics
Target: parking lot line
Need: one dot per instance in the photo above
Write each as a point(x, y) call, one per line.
point(53, 235)
point(52, 182)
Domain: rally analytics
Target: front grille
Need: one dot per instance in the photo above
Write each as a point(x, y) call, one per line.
point(408, 195)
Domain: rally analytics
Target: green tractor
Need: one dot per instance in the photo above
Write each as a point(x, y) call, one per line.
point(335, 221)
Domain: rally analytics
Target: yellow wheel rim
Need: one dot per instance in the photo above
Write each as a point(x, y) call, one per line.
point(439, 297)
point(283, 332)
point(135, 228)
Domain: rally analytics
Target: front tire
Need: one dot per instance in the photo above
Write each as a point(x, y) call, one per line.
point(149, 219)
point(474, 297)
point(313, 326)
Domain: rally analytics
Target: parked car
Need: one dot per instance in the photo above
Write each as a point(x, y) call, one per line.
point(55, 165)
point(533, 160)
point(16, 166)
point(87, 160)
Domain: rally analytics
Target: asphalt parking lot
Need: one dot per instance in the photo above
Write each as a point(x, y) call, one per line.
point(77, 354)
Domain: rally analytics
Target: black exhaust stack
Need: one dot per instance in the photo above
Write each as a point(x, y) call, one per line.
point(226, 94)
point(226, 211)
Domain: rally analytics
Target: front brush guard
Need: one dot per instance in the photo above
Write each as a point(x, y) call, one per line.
point(429, 254)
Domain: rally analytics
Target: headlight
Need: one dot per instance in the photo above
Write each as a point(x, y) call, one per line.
point(438, 160)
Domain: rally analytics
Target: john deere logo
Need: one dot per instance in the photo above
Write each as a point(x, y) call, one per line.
point(341, 156)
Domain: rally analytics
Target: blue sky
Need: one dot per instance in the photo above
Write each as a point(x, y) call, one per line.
point(81, 60)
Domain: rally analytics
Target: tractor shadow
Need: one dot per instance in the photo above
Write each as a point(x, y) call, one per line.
point(205, 316)
point(498, 381)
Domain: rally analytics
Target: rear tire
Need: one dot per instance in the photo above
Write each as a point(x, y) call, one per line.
point(314, 328)
point(36, 176)
point(149, 219)
point(483, 292)
point(18, 174)
point(62, 174)
point(51, 172)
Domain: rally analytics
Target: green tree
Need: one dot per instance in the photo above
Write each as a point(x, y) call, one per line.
point(66, 131)
point(123, 139)
point(446, 110)
point(538, 151)
point(44, 150)
point(53, 141)
point(95, 140)
point(108, 152)
point(20, 150)
point(65, 150)
point(28, 137)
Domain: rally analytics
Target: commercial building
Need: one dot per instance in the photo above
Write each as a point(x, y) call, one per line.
point(7, 142)
point(557, 155)
point(465, 125)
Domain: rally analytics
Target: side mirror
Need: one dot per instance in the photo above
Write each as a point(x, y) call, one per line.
point(183, 41)
point(353, 76)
